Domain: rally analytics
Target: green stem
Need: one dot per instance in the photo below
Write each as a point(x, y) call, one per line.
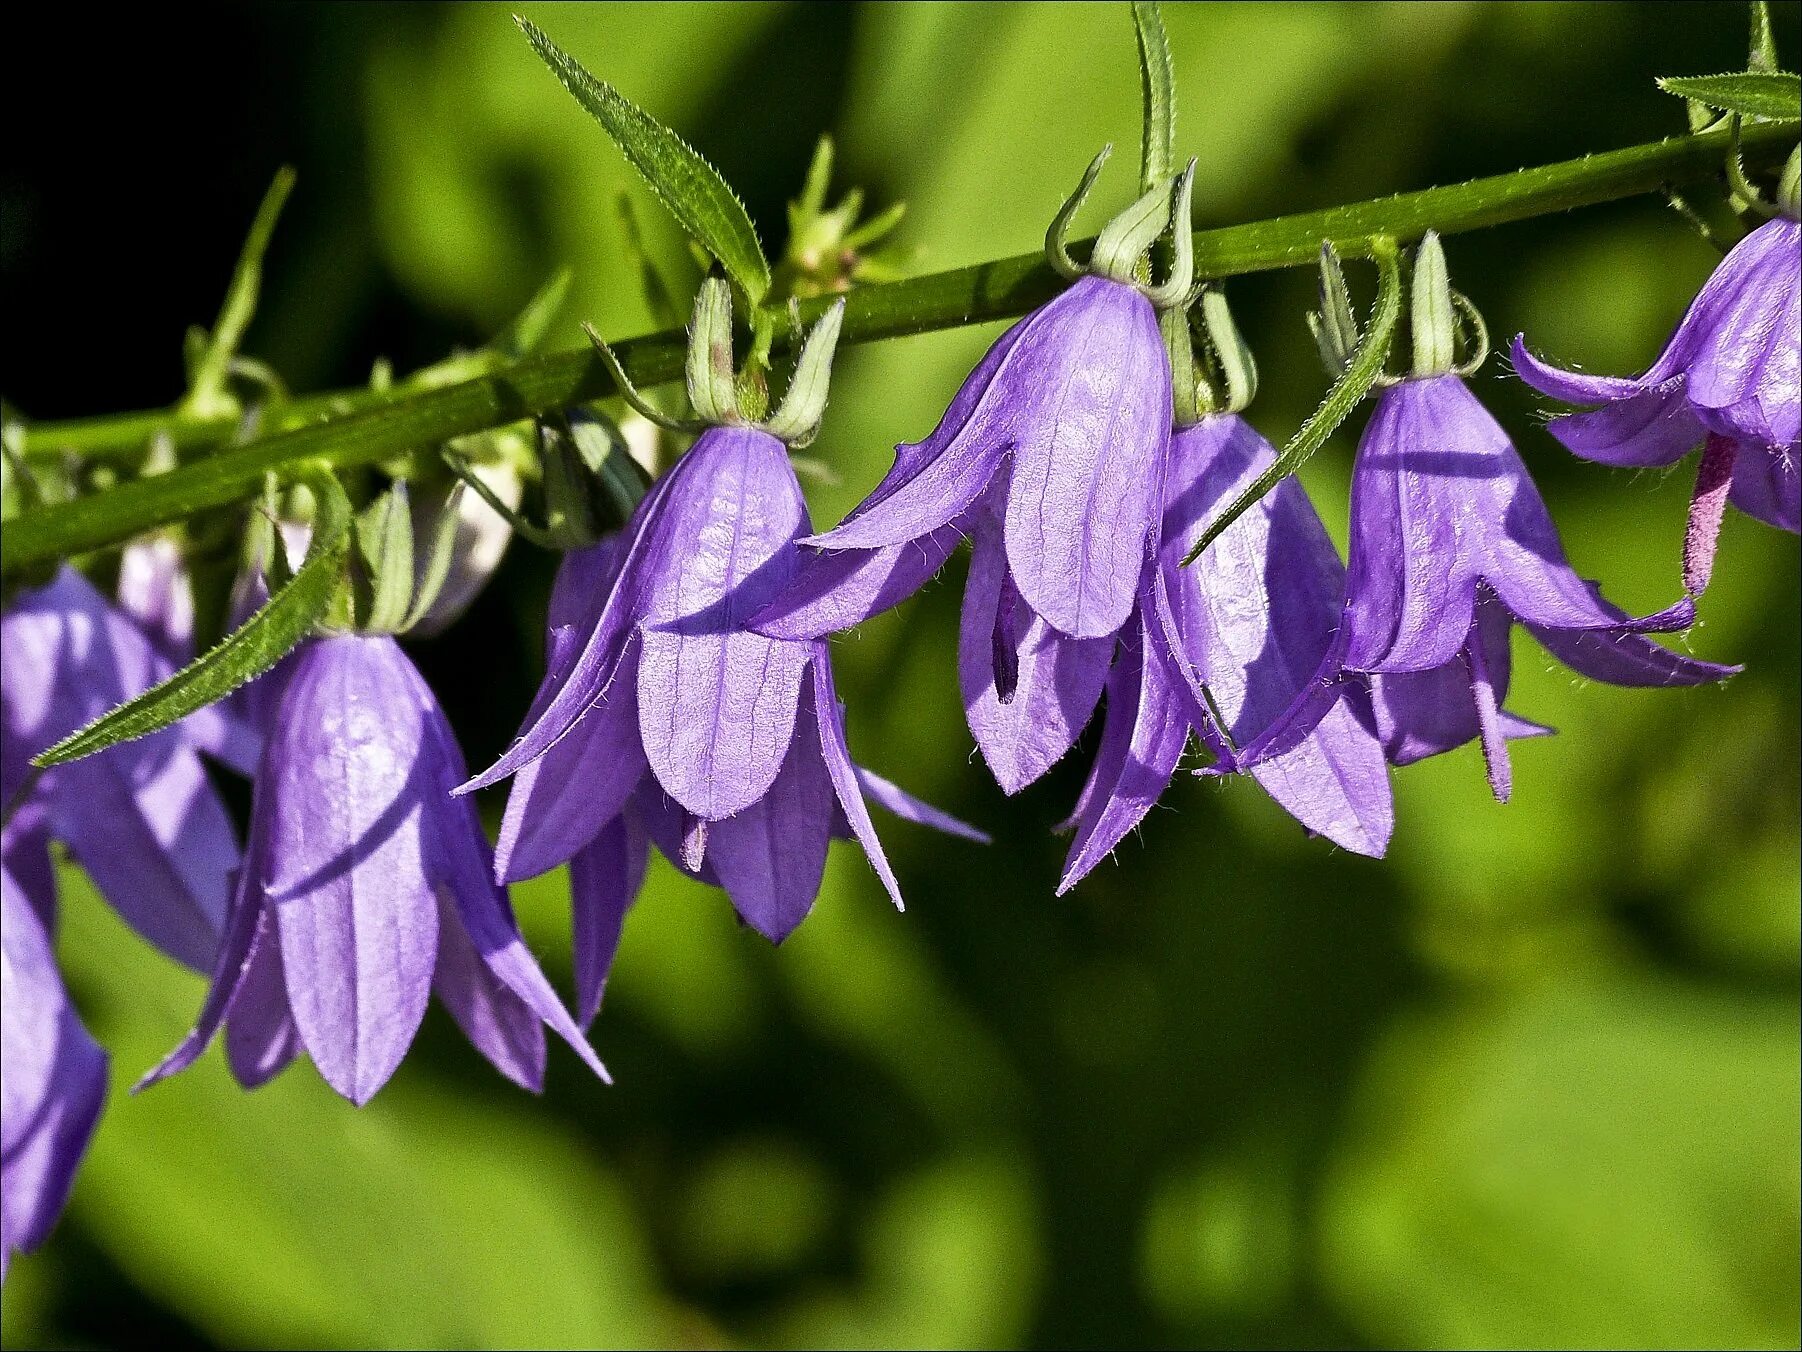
point(380, 426)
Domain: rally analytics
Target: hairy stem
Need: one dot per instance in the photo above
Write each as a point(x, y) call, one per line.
point(363, 427)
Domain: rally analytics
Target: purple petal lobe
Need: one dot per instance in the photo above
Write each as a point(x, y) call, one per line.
point(1092, 384)
point(1421, 714)
point(716, 701)
point(830, 722)
point(934, 481)
point(771, 856)
point(249, 927)
point(905, 806)
point(604, 878)
point(1654, 427)
point(1057, 680)
point(563, 798)
point(1768, 487)
point(1570, 387)
point(342, 798)
point(141, 816)
point(495, 1020)
point(1412, 583)
point(52, 1079)
point(260, 1036)
point(1142, 740)
point(838, 588)
point(1625, 658)
point(460, 868)
point(582, 668)
point(668, 825)
point(1335, 783)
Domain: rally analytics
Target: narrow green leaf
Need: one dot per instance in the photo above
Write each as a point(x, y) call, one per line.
point(1360, 375)
point(690, 187)
point(212, 357)
point(1762, 46)
point(262, 641)
point(1158, 77)
point(1776, 94)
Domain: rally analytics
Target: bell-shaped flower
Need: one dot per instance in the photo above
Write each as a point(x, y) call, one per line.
point(1730, 379)
point(365, 887)
point(140, 817)
point(1450, 545)
point(659, 708)
point(52, 1078)
point(1223, 649)
point(1050, 460)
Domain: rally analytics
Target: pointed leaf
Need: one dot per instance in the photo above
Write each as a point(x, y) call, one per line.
point(690, 187)
point(1773, 94)
point(1158, 78)
point(1360, 375)
point(262, 641)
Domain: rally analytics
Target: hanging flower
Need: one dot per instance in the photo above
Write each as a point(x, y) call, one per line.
point(1450, 545)
point(662, 718)
point(1050, 459)
point(365, 887)
point(1729, 380)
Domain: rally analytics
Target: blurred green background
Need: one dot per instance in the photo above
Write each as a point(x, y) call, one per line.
point(1532, 1080)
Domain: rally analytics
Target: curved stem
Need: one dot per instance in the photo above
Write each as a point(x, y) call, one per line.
point(375, 426)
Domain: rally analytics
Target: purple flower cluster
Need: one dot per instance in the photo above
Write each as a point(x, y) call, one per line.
point(689, 702)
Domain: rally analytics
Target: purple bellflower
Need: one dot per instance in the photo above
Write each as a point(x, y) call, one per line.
point(1451, 545)
point(1227, 645)
point(663, 719)
point(1050, 460)
point(52, 1078)
point(140, 817)
point(365, 887)
point(1728, 380)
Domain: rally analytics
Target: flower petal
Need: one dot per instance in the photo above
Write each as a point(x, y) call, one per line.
point(1421, 477)
point(1093, 383)
point(1625, 658)
point(830, 721)
point(37, 1176)
point(771, 856)
point(460, 868)
point(1057, 680)
point(247, 927)
point(934, 481)
point(1653, 427)
point(581, 671)
point(605, 876)
point(1570, 387)
point(1336, 783)
point(562, 799)
point(1421, 714)
point(345, 783)
point(838, 588)
point(1768, 486)
point(495, 1020)
point(717, 702)
point(1142, 740)
point(904, 805)
point(260, 1036)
